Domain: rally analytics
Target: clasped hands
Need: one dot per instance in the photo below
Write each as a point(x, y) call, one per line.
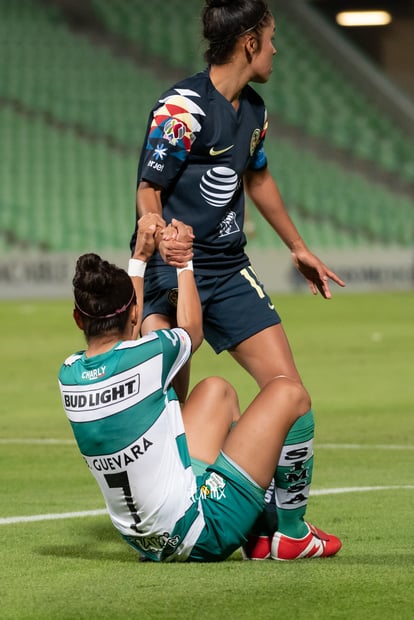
point(174, 241)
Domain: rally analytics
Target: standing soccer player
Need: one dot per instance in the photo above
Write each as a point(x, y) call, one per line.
point(203, 150)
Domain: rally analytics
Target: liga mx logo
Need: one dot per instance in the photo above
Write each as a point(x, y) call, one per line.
point(213, 488)
point(174, 131)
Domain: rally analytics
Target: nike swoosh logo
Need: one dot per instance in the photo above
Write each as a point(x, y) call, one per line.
point(214, 153)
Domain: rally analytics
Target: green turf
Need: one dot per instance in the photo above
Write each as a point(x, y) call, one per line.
point(356, 356)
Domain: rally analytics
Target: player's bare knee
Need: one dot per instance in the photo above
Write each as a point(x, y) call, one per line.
point(303, 399)
point(221, 388)
point(300, 397)
point(223, 393)
point(296, 393)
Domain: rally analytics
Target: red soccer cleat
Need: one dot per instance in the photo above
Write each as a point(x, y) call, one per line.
point(316, 544)
point(257, 547)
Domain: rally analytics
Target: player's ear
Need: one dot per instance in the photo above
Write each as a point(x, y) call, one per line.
point(78, 318)
point(135, 318)
point(250, 47)
point(134, 314)
point(251, 44)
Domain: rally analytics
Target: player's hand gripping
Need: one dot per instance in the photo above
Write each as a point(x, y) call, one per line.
point(315, 272)
point(148, 225)
point(176, 246)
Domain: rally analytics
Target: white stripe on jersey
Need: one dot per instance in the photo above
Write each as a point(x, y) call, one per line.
point(85, 403)
point(185, 344)
point(72, 359)
point(177, 334)
point(184, 549)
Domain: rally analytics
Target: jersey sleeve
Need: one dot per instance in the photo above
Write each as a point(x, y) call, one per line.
point(176, 349)
point(171, 133)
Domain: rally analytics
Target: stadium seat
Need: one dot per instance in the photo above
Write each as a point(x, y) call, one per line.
point(73, 113)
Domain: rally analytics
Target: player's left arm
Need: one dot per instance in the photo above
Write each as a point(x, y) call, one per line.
point(144, 249)
point(264, 193)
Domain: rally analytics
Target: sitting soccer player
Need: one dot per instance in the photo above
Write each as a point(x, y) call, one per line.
point(143, 448)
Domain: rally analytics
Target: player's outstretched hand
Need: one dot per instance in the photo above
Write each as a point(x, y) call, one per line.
point(315, 272)
point(176, 246)
point(145, 242)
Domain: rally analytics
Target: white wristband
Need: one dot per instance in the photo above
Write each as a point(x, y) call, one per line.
point(136, 267)
point(188, 267)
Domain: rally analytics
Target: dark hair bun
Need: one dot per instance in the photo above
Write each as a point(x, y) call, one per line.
point(92, 274)
point(88, 262)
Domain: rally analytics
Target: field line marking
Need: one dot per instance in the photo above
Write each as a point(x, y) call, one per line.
point(361, 446)
point(95, 513)
point(360, 489)
point(53, 517)
point(34, 441)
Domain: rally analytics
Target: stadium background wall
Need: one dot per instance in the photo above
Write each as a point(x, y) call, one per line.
point(77, 78)
point(49, 275)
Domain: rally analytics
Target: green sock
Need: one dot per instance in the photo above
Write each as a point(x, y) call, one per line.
point(293, 477)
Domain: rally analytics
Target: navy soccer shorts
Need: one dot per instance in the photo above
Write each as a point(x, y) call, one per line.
point(235, 306)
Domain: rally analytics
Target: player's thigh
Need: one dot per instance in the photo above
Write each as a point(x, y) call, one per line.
point(208, 415)
point(156, 321)
point(231, 504)
point(235, 306)
point(256, 442)
point(160, 297)
point(266, 355)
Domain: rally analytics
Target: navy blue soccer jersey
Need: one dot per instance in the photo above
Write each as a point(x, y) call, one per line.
point(197, 149)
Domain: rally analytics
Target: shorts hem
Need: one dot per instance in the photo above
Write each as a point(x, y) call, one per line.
point(237, 340)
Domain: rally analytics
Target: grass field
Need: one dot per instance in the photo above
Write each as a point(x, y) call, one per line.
point(355, 354)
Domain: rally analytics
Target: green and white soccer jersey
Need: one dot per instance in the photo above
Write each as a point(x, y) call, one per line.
point(127, 422)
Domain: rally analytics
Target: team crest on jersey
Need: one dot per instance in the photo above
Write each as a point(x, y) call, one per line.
point(254, 141)
point(172, 297)
point(229, 225)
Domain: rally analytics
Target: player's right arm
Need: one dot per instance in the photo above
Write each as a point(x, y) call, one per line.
point(149, 201)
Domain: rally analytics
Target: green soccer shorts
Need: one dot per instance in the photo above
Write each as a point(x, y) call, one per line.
point(231, 502)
